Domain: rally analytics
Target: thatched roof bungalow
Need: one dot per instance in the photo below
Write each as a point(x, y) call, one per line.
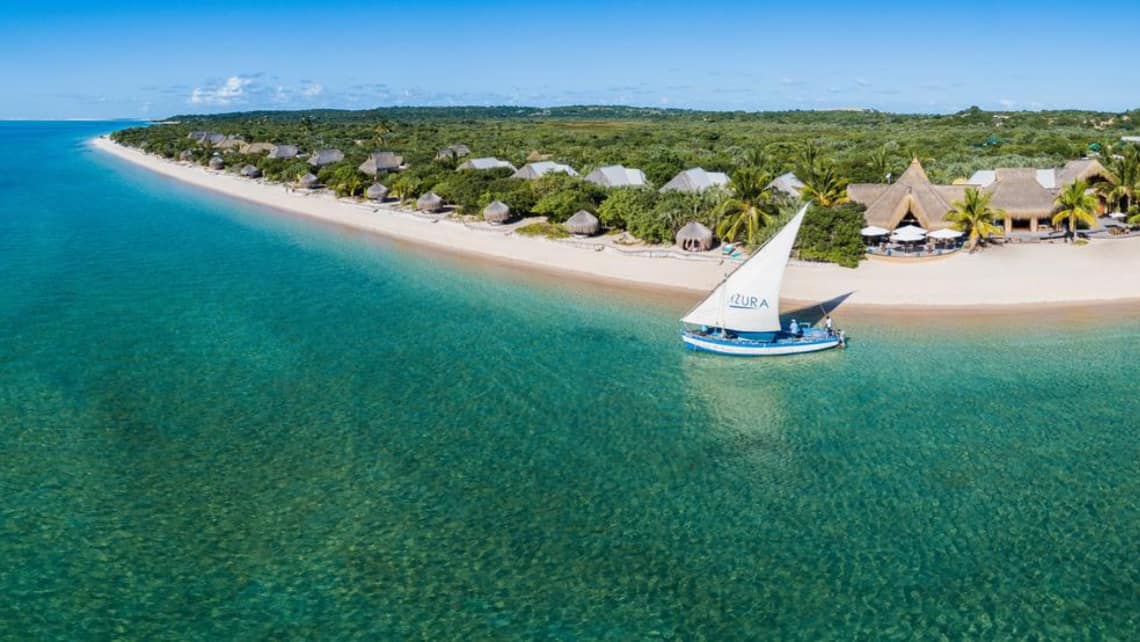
point(284, 151)
point(429, 202)
point(376, 192)
point(694, 237)
point(308, 181)
point(185, 155)
point(583, 223)
point(486, 163)
point(531, 171)
point(695, 180)
point(251, 171)
point(497, 212)
point(617, 176)
point(453, 151)
point(216, 162)
point(382, 162)
point(323, 157)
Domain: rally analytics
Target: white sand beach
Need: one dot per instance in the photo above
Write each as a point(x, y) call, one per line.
point(1016, 275)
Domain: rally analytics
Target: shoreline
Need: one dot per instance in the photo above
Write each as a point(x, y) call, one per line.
point(1010, 280)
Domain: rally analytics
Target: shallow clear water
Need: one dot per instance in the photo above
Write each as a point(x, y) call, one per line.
point(217, 422)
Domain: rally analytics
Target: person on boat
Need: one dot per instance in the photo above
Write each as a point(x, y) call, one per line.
point(830, 331)
point(794, 328)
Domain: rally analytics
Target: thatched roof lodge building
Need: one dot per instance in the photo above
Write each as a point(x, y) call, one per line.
point(694, 237)
point(583, 223)
point(1027, 195)
point(429, 202)
point(216, 162)
point(376, 192)
point(532, 171)
point(251, 171)
point(497, 213)
point(323, 157)
point(284, 151)
point(617, 176)
point(486, 163)
point(695, 180)
point(382, 162)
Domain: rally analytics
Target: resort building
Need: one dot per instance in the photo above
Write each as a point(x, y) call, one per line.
point(323, 157)
point(230, 143)
point(206, 138)
point(532, 171)
point(486, 163)
point(787, 184)
point(382, 162)
point(617, 176)
point(257, 148)
point(284, 151)
point(453, 152)
point(695, 180)
point(1026, 195)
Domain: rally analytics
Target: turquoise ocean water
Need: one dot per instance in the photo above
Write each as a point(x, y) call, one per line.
point(221, 423)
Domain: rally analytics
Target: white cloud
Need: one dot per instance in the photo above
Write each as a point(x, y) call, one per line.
point(311, 90)
point(1007, 103)
point(228, 93)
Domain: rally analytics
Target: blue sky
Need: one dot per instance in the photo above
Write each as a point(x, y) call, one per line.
point(143, 59)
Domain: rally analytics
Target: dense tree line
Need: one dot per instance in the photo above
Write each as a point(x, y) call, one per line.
point(825, 149)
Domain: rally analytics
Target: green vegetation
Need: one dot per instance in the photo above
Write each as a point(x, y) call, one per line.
point(824, 149)
point(1123, 183)
point(541, 228)
point(974, 216)
point(831, 234)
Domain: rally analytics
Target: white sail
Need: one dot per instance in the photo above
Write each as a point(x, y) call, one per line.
point(749, 299)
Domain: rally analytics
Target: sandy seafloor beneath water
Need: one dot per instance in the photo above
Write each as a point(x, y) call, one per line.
point(217, 424)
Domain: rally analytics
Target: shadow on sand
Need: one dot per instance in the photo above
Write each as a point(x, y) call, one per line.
point(814, 313)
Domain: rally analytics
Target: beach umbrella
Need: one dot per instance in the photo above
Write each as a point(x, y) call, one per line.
point(945, 235)
point(911, 230)
point(874, 231)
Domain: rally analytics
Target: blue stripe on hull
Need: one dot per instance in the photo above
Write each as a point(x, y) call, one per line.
point(746, 348)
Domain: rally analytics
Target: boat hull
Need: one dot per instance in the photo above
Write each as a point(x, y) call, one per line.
point(750, 348)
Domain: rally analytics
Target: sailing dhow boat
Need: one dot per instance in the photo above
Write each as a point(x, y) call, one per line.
point(742, 315)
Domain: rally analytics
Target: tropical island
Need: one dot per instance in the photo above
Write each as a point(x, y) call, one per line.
point(699, 190)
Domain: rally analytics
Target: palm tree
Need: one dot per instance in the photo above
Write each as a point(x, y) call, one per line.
point(1123, 183)
point(750, 209)
point(825, 187)
point(1075, 205)
point(821, 182)
point(974, 215)
point(882, 160)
